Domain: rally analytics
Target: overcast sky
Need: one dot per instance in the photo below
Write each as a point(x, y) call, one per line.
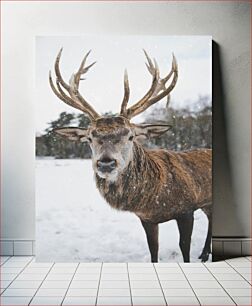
point(103, 86)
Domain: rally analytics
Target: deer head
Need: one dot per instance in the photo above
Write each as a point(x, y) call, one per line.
point(112, 138)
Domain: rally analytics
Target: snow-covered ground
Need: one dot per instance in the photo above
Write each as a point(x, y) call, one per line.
point(74, 223)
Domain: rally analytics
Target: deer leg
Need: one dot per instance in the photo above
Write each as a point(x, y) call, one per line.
point(207, 247)
point(185, 226)
point(151, 230)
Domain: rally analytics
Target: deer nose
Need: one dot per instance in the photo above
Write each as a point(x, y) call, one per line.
point(106, 164)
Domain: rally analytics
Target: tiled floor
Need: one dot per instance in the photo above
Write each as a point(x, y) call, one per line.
point(25, 282)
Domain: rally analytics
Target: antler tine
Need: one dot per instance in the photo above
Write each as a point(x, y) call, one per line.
point(154, 71)
point(62, 95)
point(74, 86)
point(57, 71)
point(158, 90)
point(126, 94)
point(75, 99)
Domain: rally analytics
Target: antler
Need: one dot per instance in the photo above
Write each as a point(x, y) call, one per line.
point(156, 92)
point(69, 93)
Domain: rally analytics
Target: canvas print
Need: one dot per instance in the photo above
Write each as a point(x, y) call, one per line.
point(123, 148)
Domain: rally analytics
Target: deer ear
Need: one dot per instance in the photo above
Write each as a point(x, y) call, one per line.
point(150, 130)
point(71, 133)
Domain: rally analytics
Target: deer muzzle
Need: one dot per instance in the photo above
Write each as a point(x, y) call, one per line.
point(106, 165)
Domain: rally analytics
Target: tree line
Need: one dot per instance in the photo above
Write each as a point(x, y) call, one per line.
point(190, 129)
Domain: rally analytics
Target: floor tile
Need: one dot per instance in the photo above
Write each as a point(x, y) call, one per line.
point(4, 259)
point(82, 292)
point(146, 292)
point(248, 277)
point(174, 284)
point(14, 264)
point(243, 300)
point(59, 277)
point(90, 264)
point(204, 284)
point(84, 284)
point(5, 283)
point(73, 265)
point(8, 276)
point(29, 270)
point(21, 258)
point(118, 277)
point(14, 300)
point(196, 270)
point(217, 264)
point(238, 259)
point(140, 264)
point(102, 300)
point(10, 270)
point(145, 270)
point(114, 284)
point(145, 284)
point(55, 284)
point(240, 264)
point(172, 276)
point(19, 292)
point(210, 292)
point(114, 264)
point(47, 300)
point(243, 270)
point(229, 276)
point(62, 270)
point(219, 270)
point(168, 270)
point(180, 300)
point(114, 292)
point(121, 270)
point(220, 300)
point(25, 284)
point(79, 301)
point(84, 276)
point(40, 265)
point(140, 300)
point(30, 276)
point(239, 291)
point(178, 292)
point(51, 292)
point(190, 264)
point(88, 270)
point(201, 276)
point(234, 284)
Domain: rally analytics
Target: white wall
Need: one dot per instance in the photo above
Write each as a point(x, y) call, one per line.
point(227, 22)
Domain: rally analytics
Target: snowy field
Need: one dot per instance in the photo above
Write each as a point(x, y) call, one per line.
point(74, 223)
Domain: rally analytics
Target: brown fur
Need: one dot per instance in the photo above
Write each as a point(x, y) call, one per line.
point(159, 185)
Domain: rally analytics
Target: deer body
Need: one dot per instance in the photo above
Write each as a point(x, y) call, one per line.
point(156, 185)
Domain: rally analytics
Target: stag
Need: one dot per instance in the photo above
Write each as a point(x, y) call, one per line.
point(157, 185)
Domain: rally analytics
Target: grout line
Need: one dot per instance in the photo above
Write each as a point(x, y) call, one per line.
point(160, 283)
point(96, 300)
point(239, 273)
point(129, 284)
point(70, 283)
point(41, 283)
point(221, 285)
point(189, 284)
point(21, 271)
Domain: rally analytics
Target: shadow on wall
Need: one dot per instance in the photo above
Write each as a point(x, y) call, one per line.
point(224, 207)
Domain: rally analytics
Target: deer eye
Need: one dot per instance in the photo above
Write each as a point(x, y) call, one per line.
point(89, 139)
point(131, 138)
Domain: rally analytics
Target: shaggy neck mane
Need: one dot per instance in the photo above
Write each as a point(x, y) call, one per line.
point(128, 191)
